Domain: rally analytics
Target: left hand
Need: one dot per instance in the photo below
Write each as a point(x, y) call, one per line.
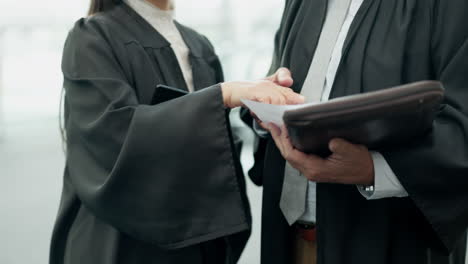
point(348, 163)
point(264, 91)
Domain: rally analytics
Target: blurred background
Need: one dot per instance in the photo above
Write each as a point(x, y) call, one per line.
point(32, 34)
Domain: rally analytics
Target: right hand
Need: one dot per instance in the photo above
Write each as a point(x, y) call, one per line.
point(264, 91)
point(282, 77)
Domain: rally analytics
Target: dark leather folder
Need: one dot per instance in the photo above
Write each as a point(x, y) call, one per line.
point(380, 119)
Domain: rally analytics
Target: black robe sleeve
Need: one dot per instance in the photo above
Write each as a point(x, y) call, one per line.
point(162, 174)
point(434, 170)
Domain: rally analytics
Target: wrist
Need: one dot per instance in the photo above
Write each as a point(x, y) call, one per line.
point(370, 179)
point(226, 91)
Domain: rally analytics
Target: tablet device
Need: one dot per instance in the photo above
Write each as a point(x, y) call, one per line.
point(164, 93)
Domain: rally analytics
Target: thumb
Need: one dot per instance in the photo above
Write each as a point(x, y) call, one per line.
point(338, 145)
point(283, 77)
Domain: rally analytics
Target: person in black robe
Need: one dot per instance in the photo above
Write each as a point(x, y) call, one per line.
point(149, 183)
point(389, 43)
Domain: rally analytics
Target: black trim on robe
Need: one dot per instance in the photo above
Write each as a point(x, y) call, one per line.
point(145, 183)
point(389, 43)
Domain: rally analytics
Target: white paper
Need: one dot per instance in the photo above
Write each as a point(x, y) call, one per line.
point(269, 113)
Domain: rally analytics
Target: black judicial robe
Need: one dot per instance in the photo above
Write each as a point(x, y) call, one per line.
point(390, 42)
point(145, 183)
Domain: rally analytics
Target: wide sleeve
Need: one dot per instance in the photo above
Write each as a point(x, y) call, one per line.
point(164, 174)
point(434, 169)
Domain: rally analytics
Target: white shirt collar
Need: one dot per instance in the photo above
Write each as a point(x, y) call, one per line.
point(150, 12)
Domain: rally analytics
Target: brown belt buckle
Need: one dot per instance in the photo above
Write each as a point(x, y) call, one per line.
point(307, 231)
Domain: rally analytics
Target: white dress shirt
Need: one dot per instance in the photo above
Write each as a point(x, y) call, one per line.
point(386, 184)
point(163, 22)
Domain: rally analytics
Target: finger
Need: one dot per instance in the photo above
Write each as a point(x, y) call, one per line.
point(285, 137)
point(257, 98)
point(253, 115)
point(277, 98)
point(340, 146)
point(271, 78)
point(259, 122)
point(279, 94)
point(276, 135)
point(292, 97)
point(265, 99)
point(263, 125)
point(311, 165)
point(315, 169)
point(281, 99)
point(274, 130)
point(283, 77)
point(292, 150)
point(269, 99)
point(286, 142)
point(284, 132)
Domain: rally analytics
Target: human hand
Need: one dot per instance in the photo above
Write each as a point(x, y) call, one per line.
point(282, 77)
point(261, 91)
point(348, 164)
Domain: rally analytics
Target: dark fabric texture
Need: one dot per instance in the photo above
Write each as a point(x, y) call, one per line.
point(145, 183)
point(389, 43)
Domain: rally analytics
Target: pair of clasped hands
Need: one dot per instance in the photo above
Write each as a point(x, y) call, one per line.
point(348, 163)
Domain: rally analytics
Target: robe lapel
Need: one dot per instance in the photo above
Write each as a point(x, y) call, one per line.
point(157, 46)
point(301, 44)
point(143, 32)
point(357, 22)
point(202, 72)
point(170, 68)
point(348, 79)
point(300, 49)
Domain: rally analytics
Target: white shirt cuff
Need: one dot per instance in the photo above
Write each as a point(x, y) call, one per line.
point(386, 184)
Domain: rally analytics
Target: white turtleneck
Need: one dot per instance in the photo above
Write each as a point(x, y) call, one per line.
point(163, 22)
